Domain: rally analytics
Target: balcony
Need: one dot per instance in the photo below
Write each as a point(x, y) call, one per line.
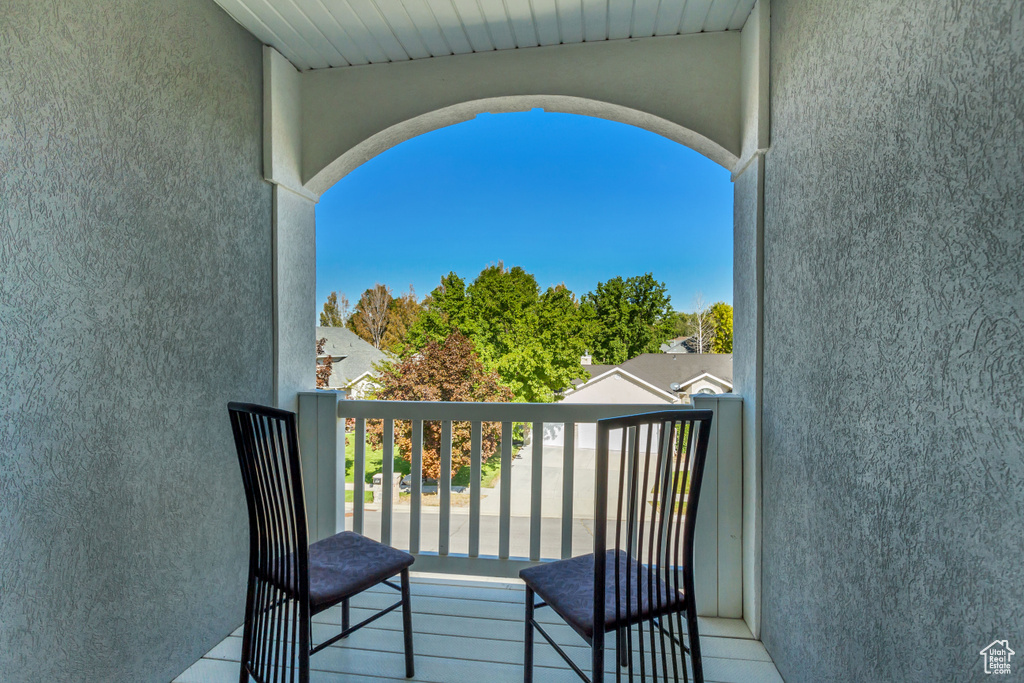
point(468, 557)
point(471, 630)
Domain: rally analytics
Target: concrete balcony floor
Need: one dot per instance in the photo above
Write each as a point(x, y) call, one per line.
point(471, 630)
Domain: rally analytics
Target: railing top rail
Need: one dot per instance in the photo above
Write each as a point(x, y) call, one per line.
point(494, 412)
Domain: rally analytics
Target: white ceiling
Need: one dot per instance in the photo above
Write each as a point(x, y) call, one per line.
point(316, 34)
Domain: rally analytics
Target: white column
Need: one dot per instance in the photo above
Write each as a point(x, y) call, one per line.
point(294, 296)
point(748, 288)
point(294, 232)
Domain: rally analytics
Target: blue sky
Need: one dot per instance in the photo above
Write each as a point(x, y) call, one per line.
point(571, 199)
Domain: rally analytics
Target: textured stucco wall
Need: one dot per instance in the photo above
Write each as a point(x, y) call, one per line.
point(135, 301)
point(893, 397)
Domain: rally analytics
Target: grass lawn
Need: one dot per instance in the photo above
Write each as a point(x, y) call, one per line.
point(374, 462)
point(351, 496)
point(489, 470)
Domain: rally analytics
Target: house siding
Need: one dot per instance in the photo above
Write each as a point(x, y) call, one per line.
point(614, 389)
point(893, 302)
point(716, 387)
point(135, 301)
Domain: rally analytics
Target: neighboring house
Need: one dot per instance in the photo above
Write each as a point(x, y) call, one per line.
point(670, 378)
point(680, 345)
point(352, 359)
point(655, 378)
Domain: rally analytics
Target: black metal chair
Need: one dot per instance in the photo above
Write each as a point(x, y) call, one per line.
point(645, 579)
point(290, 580)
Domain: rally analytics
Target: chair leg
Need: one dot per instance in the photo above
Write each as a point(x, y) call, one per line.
point(250, 598)
point(410, 670)
point(345, 617)
point(528, 639)
point(694, 638)
point(597, 658)
point(622, 648)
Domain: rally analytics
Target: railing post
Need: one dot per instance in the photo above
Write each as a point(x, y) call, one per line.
point(718, 539)
point(318, 443)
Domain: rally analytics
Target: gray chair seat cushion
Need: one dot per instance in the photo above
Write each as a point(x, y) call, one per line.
point(567, 586)
point(346, 564)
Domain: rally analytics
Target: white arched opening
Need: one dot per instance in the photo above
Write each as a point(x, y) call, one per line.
point(706, 91)
point(565, 104)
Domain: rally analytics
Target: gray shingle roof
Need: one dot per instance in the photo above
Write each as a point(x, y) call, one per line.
point(662, 369)
point(594, 371)
point(357, 355)
point(680, 345)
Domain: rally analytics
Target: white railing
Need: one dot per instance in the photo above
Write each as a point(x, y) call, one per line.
point(322, 420)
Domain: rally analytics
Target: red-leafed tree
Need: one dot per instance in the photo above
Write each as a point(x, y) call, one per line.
point(441, 371)
point(323, 365)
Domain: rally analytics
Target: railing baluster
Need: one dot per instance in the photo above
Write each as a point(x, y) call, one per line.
point(506, 490)
point(387, 477)
point(536, 489)
point(417, 486)
point(633, 493)
point(359, 476)
point(476, 461)
point(444, 485)
point(568, 467)
point(339, 479)
point(568, 416)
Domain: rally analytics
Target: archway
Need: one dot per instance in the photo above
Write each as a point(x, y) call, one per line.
point(447, 116)
point(713, 88)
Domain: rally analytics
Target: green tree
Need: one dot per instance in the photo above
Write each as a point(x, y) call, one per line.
point(443, 311)
point(682, 324)
point(335, 311)
point(403, 312)
point(630, 317)
point(503, 308)
point(533, 341)
point(564, 331)
point(442, 371)
point(721, 321)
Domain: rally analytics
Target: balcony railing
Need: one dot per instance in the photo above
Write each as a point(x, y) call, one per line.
point(561, 430)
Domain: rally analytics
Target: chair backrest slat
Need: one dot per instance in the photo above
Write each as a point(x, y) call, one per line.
point(277, 602)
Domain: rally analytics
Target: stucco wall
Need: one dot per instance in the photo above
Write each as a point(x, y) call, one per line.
point(894, 341)
point(135, 301)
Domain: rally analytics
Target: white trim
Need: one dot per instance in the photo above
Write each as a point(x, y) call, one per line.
point(627, 376)
point(357, 379)
point(702, 376)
